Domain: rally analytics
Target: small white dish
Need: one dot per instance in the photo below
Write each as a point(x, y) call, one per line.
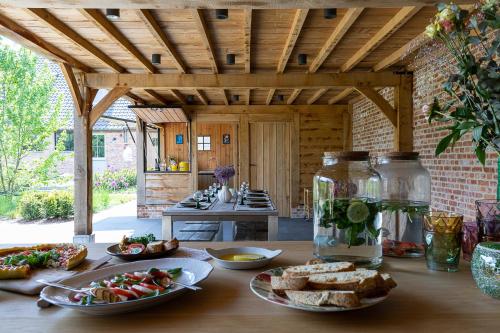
point(251, 264)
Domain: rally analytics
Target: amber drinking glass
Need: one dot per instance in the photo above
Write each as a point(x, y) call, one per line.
point(442, 240)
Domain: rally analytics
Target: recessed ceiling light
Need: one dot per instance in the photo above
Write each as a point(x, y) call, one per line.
point(156, 59)
point(302, 59)
point(190, 99)
point(230, 58)
point(221, 14)
point(113, 13)
point(281, 98)
point(330, 13)
point(235, 98)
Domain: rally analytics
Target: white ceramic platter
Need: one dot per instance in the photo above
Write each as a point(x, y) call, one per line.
point(261, 286)
point(193, 271)
point(251, 264)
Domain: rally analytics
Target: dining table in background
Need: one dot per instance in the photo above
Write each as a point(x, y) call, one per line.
point(221, 211)
point(423, 301)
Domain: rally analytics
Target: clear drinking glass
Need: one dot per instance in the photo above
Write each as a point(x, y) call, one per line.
point(488, 220)
point(442, 240)
point(346, 203)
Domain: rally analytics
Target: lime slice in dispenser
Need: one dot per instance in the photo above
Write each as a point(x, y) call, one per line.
point(357, 212)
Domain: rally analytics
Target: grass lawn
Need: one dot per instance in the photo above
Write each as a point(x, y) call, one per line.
point(102, 199)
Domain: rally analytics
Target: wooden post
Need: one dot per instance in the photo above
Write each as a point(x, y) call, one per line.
point(244, 148)
point(194, 151)
point(83, 172)
point(403, 103)
point(140, 167)
point(295, 161)
point(347, 134)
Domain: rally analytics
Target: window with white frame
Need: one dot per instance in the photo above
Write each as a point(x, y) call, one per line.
point(204, 142)
point(98, 150)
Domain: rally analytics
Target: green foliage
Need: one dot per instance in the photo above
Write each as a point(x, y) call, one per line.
point(8, 205)
point(475, 86)
point(37, 205)
point(27, 116)
point(114, 180)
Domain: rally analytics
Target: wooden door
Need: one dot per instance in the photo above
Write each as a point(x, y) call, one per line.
point(270, 151)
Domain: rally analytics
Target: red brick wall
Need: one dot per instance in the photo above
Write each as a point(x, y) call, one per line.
point(458, 179)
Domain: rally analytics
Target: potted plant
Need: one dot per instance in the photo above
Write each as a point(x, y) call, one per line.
point(223, 174)
point(472, 39)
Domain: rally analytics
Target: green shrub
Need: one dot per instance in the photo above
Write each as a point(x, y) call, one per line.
point(114, 180)
point(31, 205)
point(100, 200)
point(37, 205)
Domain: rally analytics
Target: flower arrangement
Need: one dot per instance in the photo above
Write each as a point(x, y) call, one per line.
point(473, 40)
point(224, 173)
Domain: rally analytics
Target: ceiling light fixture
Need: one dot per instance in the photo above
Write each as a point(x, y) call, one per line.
point(222, 14)
point(281, 98)
point(156, 59)
point(235, 98)
point(230, 58)
point(113, 13)
point(330, 13)
point(190, 99)
point(302, 59)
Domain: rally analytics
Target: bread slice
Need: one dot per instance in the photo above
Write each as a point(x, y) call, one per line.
point(279, 284)
point(155, 247)
point(389, 281)
point(343, 298)
point(315, 261)
point(360, 281)
point(171, 244)
point(307, 270)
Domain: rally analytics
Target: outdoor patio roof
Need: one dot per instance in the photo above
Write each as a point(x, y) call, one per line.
point(265, 37)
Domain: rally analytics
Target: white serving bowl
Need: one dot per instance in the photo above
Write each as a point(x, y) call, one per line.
point(251, 264)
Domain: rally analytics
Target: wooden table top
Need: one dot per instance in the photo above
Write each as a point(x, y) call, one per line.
point(219, 208)
point(423, 301)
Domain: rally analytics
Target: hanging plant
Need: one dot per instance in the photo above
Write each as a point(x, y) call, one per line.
point(473, 40)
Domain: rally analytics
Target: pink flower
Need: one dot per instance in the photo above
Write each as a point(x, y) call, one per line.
point(447, 25)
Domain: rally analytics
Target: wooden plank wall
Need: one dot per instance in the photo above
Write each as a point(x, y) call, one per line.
point(320, 131)
point(167, 188)
point(180, 152)
point(220, 154)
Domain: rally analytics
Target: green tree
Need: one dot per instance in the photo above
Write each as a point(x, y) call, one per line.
point(28, 118)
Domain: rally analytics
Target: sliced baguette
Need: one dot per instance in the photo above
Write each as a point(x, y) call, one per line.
point(360, 281)
point(389, 281)
point(279, 284)
point(347, 299)
point(308, 270)
point(155, 247)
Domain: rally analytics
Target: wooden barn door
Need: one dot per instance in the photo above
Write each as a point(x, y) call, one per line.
point(270, 147)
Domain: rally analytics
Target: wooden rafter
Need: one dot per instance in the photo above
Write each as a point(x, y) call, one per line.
point(134, 98)
point(207, 42)
point(258, 109)
point(270, 95)
point(298, 21)
point(293, 96)
point(248, 95)
point(342, 27)
point(177, 95)
point(247, 29)
point(116, 35)
point(243, 81)
point(343, 94)
point(76, 38)
point(388, 29)
point(380, 102)
point(74, 88)
point(157, 96)
point(106, 102)
point(317, 95)
point(403, 51)
point(224, 96)
point(147, 17)
point(201, 96)
point(15, 32)
point(214, 4)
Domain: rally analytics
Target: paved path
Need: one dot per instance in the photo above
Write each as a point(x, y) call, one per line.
point(110, 225)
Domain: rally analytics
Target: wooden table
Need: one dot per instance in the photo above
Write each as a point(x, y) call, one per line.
point(424, 301)
point(220, 211)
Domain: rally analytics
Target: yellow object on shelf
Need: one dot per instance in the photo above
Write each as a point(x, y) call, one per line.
point(173, 167)
point(183, 166)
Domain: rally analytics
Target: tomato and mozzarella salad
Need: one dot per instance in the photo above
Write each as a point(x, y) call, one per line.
point(129, 286)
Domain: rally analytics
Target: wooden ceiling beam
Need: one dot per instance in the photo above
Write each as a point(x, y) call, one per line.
point(134, 98)
point(298, 22)
point(259, 109)
point(23, 36)
point(342, 27)
point(388, 29)
point(270, 96)
point(73, 86)
point(147, 17)
point(317, 95)
point(76, 38)
point(205, 38)
point(380, 102)
point(403, 51)
point(224, 96)
point(106, 102)
point(340, 96)
point(247, 30)
point(215, 4)
point(249, 92)
point(201, 96)
point(157, 96)
point(242, 81)
point(98, 18)
point(178, 96)
point(293, 96)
